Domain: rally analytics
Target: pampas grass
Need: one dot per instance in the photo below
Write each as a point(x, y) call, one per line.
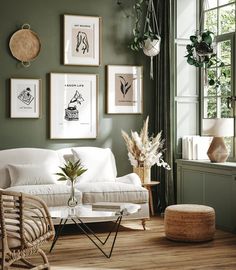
point(145, 151)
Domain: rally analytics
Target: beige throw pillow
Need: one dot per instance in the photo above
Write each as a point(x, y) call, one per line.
point(30, 174)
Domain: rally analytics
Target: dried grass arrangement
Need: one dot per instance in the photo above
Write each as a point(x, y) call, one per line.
point(145, 151)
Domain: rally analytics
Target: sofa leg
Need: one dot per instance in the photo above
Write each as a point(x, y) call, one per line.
point(144, 223)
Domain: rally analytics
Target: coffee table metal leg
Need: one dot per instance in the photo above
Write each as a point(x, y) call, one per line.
point(117, 225)
point(58, 233)
point(93, 233)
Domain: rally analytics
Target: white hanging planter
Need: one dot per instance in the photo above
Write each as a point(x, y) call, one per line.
point(151, 48)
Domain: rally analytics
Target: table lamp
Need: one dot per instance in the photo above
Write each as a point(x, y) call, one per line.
point(218, 128)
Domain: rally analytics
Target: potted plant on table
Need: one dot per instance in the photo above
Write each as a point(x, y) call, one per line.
point(71, 171)
point(144, 152)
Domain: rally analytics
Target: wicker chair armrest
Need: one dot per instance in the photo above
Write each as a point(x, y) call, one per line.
point(37, 216)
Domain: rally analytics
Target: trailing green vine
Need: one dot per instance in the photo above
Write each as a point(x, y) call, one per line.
point(138, 36)
point(200, 53)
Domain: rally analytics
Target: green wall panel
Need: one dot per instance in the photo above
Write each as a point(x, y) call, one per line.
point(222, 186)
point(193, 182)
point(46, 18)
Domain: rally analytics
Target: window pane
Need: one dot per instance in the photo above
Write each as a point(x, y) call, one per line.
point(224, 2)
point(227, 19)
point(229, 144)
point(225, 111)
point(208, 89)
point(210, 4)
point(224, 51)
point(210, 108)
point(225, 81)
point(211, 21)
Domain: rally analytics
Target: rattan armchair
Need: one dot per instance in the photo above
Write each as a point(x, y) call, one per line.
point(25, 224)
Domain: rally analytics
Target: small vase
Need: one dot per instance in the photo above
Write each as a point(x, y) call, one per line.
point(72, 202)
point(144, 173)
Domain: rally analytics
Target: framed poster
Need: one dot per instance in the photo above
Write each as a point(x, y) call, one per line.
point(124, 89)
point(25, 98)
point(81, 40)
point(74, 99)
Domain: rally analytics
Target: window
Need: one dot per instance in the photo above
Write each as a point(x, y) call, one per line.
point(219, 17)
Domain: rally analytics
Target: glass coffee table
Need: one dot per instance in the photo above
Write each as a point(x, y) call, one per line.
point(82, 214)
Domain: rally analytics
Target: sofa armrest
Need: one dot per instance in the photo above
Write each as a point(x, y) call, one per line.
point(131, 178)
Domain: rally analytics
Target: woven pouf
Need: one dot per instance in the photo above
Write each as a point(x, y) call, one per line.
point(189, 222)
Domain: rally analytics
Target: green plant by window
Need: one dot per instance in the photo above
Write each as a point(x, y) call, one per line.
point(200, 53)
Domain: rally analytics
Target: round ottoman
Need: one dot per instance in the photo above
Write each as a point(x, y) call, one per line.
point(189, 222)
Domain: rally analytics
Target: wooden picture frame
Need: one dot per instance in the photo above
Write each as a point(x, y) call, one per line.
point(124, 89)
point(25, 98)
point(82, 40)
point(74, 106)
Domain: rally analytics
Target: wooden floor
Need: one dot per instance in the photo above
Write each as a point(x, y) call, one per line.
point(137, 249)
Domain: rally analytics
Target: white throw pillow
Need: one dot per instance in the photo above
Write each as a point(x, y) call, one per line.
point(99, 163)
point(30, 174)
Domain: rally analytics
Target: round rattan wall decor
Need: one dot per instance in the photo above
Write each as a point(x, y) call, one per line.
point(25, 45)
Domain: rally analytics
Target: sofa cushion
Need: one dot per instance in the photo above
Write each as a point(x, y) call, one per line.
point(30, 174)
point(43, 157)
point(53, 195)
point(112, 192)
point(99, 162)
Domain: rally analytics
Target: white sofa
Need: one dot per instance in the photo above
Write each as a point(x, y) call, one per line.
point(32, 171)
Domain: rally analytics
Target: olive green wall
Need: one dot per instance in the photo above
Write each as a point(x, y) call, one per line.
point(46, 18)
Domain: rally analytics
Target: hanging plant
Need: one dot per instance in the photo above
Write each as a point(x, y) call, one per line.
point(147, 39)
point(201, 53)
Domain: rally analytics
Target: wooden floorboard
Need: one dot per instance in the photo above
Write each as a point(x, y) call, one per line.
point(137, 249)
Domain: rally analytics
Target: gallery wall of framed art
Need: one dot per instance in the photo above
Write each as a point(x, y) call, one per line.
point(107, 23)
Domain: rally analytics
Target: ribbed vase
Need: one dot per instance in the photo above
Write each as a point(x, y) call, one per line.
point(144, 173)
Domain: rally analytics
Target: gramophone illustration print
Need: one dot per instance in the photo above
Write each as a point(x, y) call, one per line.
point(72, 112)
point(26, 96)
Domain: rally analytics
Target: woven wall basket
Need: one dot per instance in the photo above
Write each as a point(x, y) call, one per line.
point(25, 45)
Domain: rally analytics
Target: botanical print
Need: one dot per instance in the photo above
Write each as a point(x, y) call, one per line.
point(26, 97)
point(83, 40)
point(124, 89)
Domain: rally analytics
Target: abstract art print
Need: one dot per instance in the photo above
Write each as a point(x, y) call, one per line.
point(73, 106)
point(25, 98)
point(81, 40)
point(124, 89)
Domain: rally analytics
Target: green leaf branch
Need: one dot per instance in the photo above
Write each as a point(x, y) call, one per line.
point(71, 171)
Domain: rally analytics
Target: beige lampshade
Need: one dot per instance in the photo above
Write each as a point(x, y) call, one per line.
point(218, 127)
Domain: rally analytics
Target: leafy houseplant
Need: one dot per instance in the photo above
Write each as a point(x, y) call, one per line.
point(71, 171)
point(200, 53)
point(149, 39)
point(149, 33)
point(145, 151)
